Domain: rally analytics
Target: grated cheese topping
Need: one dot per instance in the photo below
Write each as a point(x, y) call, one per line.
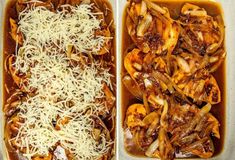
point(62, 90)
point(74, 26)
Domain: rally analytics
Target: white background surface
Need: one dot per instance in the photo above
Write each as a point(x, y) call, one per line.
point(228, 152)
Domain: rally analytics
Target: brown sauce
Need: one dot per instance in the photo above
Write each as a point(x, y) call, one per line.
point(217, 110)
point(9, 48)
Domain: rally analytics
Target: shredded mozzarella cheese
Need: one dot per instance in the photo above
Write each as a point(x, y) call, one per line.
point(76, 27)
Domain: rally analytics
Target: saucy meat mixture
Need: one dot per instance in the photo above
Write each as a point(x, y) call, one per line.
point(169, 68)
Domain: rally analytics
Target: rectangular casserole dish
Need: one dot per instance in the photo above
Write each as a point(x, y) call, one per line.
point(3, 5)
point(227, 149)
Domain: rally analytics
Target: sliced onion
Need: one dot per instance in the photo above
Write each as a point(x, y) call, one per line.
point(144, 25)
point(211, 49)
point(152, 148)
point(143, 8)
point(193, 10)
point(132, 87)
point(183, 64)
point(205, 109)
point(156, 7)
point(150, 118)
point(163, 121)
point(146, 105)
point(155, 100)
point(214, 67)
point(153, 126)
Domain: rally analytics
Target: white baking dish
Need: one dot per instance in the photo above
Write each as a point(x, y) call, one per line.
point(228, 151)
point(3, 3)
